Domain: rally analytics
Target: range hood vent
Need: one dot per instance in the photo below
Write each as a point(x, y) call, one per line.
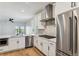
point(49, 12)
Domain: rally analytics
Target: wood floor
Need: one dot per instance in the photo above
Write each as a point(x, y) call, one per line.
point(23, 52)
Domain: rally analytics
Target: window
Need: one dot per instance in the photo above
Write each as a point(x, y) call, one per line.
point(19, 30)
point(28, 30)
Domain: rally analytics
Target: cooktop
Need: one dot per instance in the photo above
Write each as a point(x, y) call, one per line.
point(47, 36)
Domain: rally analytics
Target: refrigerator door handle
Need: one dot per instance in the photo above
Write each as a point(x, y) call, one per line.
point(71, 35)
point(75, 36)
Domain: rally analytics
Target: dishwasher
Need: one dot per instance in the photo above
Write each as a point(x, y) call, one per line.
point(28, 41)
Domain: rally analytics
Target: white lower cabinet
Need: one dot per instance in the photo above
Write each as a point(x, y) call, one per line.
point(36, 42)
point(16, 43)
point(49, 48)
point(21, 43)
point(40, 44)
point(13, 43)
point(52, 49)
point(45, 46)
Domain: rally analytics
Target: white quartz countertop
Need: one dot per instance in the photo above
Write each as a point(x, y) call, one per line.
point(5, 36)
point(11, 36)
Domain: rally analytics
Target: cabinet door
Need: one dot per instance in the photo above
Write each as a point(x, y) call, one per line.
point(46, 14)
point(40, 25)
point(35, 41)
point(43, 14)
point(77, 4)
point(13, 43)
point(39, 18)
point(40, 43)
point(52, 49)
point(37, 44)
point(45, 47)
point(21, 42)
point(62, 6)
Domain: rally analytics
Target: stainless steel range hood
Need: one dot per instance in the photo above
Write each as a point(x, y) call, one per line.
point(49, 13)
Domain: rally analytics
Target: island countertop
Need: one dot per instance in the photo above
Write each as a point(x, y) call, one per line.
point(5, 36)
point(12, 36)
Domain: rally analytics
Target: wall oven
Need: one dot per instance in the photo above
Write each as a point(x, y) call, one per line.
point(3, 42)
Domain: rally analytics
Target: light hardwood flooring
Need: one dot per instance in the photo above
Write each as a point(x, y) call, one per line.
point(23, 52)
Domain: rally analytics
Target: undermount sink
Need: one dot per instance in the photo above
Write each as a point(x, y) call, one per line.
point(47, 36)
point(17, 36)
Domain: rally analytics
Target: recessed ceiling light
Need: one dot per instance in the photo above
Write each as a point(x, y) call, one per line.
point(22, 10)
point(26, 2)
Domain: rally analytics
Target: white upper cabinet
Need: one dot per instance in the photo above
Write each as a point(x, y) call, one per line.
point(39, 18)
point(62, 6)
point(77, 4)
point(46, 15)
point(36, 20)
point(43, 14)
point(40, 26)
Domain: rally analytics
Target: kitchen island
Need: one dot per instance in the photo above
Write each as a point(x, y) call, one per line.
point(12, 42)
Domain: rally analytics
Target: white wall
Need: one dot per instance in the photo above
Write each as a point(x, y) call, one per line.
point(50, 30)
point(28, 30)
point(7, 28)
point(30, 27)
point(33, 25)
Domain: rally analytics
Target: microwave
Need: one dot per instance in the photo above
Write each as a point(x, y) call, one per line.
point(3, 41)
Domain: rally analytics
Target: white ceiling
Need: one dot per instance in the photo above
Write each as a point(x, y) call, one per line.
point(19, 11)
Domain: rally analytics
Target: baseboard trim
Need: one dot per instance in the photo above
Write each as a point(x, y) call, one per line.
point(40, 51)
point(11, 50)
point(29, 47)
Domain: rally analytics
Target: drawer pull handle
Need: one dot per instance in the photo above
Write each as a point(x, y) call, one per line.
point(51, 43)
point(17, 41)
point(41, 44)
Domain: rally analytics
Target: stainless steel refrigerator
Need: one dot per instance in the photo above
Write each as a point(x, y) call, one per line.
point(66, 44)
